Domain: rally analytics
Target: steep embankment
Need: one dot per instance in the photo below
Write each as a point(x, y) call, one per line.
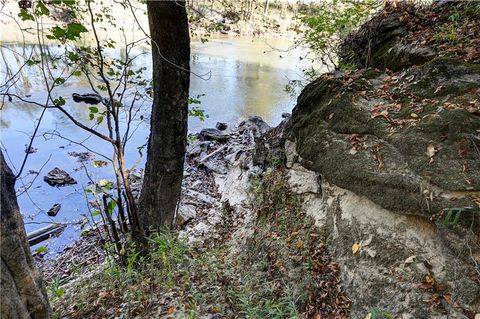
point(363, 204)
point(395, 149)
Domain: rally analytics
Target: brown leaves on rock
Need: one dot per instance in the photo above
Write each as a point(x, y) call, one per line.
point(440, 296)
point(327, 301)
point(378, 157)
point(451, 29)
point(358, 142)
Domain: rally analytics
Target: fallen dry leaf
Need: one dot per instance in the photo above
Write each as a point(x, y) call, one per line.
point(432, 149)
point(171, 310)
point(448, 298)
point(378, 156)
point(356, 248)
point(410, 259)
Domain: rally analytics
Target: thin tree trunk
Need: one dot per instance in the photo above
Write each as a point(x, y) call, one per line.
point(22, 292)
point(166, 147)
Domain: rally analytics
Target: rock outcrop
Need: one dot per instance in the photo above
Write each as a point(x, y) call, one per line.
point(387, 161)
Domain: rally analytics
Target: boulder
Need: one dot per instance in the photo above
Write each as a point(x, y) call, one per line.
point(53, 211)
point(213, 134)
point(221, 126)
point(388, 165)
point(58, 177)
point(254, 124)
point(185, 214)
point(404, 161)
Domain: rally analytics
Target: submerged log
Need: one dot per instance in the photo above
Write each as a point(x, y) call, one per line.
point(42, 234)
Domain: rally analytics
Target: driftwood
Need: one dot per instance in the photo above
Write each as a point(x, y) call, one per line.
point(42, 234)
point(212, 154)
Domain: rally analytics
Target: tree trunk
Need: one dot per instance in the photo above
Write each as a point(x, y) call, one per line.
point(166, 146)
point(22, 292)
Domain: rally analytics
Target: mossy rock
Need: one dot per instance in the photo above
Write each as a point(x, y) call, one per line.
point(442, 77)
point(393, 170)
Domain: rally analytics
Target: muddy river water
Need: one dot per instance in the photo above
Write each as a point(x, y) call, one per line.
point(240, 77)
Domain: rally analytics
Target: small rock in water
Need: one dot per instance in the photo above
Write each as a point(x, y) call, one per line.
point(213, 134)
point(221, 126)
point(30, 150)
point(54, 210)
point(286, 115)
point(58, 177)
point(92, 99)
point(82, 156)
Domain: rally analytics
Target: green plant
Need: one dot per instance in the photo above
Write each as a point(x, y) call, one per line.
point(453, 215)
point(55, 288)
point(376, 313)
point(448, 32)
point(325, 25)
point(134, 258)
point(195, 110)
point(72, 48)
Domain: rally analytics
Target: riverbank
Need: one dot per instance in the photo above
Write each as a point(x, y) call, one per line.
point(364, 203)
point(209, 159)
point(248, 75)
point(229, 217)
point(130, 23)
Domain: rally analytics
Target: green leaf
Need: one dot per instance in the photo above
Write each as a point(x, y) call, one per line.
point(95, 213)
point(57, 33)
point(93, 109)
point(59, 81)
point(25, 15)
point(105, 184)
point(73, 56)
point(41, 9)
point(41, 250)
point(59, 292)
point(99, 119)
point(59, 101)
point(32, 62)
point(77, 73)
point(91, 116)
point(74, 30)
point(111, 206)
point(67, 2)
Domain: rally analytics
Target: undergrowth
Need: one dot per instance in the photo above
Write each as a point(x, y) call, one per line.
point(283, 271)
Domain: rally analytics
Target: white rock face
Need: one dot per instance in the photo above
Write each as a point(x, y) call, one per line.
point(387, 245)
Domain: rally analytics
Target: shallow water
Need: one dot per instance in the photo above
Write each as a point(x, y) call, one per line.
point(241, 77)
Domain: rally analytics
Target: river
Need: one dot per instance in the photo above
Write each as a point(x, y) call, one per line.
point(238, 77)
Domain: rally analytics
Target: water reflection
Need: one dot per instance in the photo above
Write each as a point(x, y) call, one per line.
point(245, 77)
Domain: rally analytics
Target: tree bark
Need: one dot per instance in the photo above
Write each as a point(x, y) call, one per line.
point(166, 146)
point(22, 294)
